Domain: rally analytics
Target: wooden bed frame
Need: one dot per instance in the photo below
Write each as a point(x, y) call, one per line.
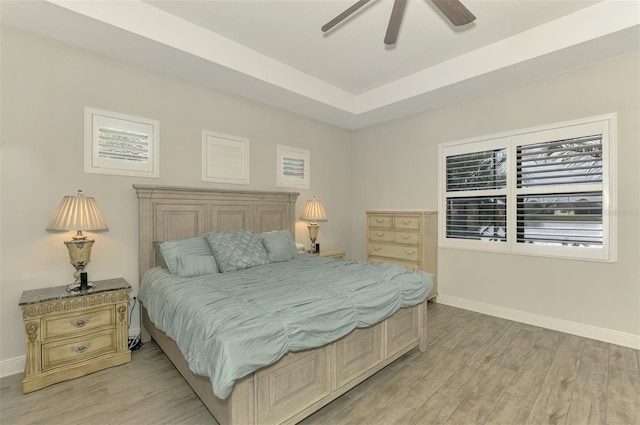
point(299, 383)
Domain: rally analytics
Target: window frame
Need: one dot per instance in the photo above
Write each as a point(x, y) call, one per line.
point(606, 124)
point(214, 143)
point(94, 164)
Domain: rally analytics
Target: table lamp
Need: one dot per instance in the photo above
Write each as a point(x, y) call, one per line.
point(78, 213)
point(313, 211)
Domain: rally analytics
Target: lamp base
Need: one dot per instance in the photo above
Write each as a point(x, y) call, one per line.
point(77, 287)
point(79, 256)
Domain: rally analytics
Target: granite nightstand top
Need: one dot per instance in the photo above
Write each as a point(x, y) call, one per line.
point(35, 296)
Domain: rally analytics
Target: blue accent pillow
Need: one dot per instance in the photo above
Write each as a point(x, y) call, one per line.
point(279, 245)
point(171, 250)
point(237, 249)
point(196, 265)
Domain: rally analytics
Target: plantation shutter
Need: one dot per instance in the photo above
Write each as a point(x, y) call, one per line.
point(559, 185)
point(476, 196)
point(122, 144)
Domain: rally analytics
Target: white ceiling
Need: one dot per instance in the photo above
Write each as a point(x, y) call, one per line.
point(273, 50)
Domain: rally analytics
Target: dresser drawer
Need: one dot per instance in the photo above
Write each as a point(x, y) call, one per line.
point(380, 221)
point(409, 238)
point(78, 323)
point(404, 222)
point(408, 253)
point(381, 235)
point(79, 348)
point(408, 264)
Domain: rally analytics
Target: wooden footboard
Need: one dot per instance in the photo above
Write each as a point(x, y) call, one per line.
point(301, 383)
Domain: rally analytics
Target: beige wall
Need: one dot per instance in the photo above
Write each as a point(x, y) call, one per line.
point(45, 86)
point(395, 167)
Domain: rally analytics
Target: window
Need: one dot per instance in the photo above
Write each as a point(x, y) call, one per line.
point(543, 191)
point(120, 144)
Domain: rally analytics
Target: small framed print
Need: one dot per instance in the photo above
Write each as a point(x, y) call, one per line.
point(294, 167)
point(120, 144)
point(225, 158)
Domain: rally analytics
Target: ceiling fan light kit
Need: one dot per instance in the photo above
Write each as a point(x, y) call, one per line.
point(454, 10)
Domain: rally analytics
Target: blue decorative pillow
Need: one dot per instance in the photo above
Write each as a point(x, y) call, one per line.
point(237, 249)
point(171, 250)
point(196, 265)
point(279, 245)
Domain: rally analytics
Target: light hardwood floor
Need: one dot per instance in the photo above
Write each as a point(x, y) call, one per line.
point(478, 370)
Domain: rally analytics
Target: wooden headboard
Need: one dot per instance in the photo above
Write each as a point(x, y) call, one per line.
point(170, 213)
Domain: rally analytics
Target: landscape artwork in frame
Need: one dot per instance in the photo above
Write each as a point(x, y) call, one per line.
point(225, 158)
point(294, 167)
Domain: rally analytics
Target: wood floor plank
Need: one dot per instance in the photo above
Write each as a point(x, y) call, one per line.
point(478, 370)
point(624, 357)
point(587, 410)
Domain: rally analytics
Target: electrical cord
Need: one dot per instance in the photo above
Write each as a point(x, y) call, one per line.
point(135, 342)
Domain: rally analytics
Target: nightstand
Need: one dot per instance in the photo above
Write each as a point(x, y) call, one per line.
point(332, 254)
point(72, 334)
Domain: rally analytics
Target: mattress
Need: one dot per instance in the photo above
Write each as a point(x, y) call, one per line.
point(228, 325)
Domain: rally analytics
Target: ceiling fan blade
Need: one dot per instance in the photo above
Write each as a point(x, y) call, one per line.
point(455, 11)
point(335, 21)
point(394, 22)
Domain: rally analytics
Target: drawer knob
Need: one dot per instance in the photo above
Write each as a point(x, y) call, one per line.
point(79, 323)
point(379, 220)
point(405, 222)
point(379, 234)
point(81, 348)
point(376, 248)
point(409, 252)
point(406, 237)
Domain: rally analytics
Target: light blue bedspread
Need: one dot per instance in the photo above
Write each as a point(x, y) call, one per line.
point(228, 325)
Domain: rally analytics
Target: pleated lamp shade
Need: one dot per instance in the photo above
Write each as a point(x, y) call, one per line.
point(313, 211)
point(77, 213)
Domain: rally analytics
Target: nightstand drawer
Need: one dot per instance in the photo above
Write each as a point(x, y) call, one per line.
point(78, 323)
point(409, 238)
point(79, 348)
point(402, 222)
point(394, 251)
point(381, 235)
point(380, 221)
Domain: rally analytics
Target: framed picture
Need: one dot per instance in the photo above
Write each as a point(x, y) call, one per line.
point(294, 167)
point(225, 158)
point(120, 144)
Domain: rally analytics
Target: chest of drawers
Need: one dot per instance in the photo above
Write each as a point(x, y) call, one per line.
point(406, 238)
point(69, 335)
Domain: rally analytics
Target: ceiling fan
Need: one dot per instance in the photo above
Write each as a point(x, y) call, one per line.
point(454, 10)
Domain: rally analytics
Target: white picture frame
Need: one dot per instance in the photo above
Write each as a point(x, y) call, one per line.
point(294, 167)
point(121, 144)
point(225, 158)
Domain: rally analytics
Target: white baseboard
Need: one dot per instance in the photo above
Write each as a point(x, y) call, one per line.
point(16, 365)
point(601, 334)
point(12, 366)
